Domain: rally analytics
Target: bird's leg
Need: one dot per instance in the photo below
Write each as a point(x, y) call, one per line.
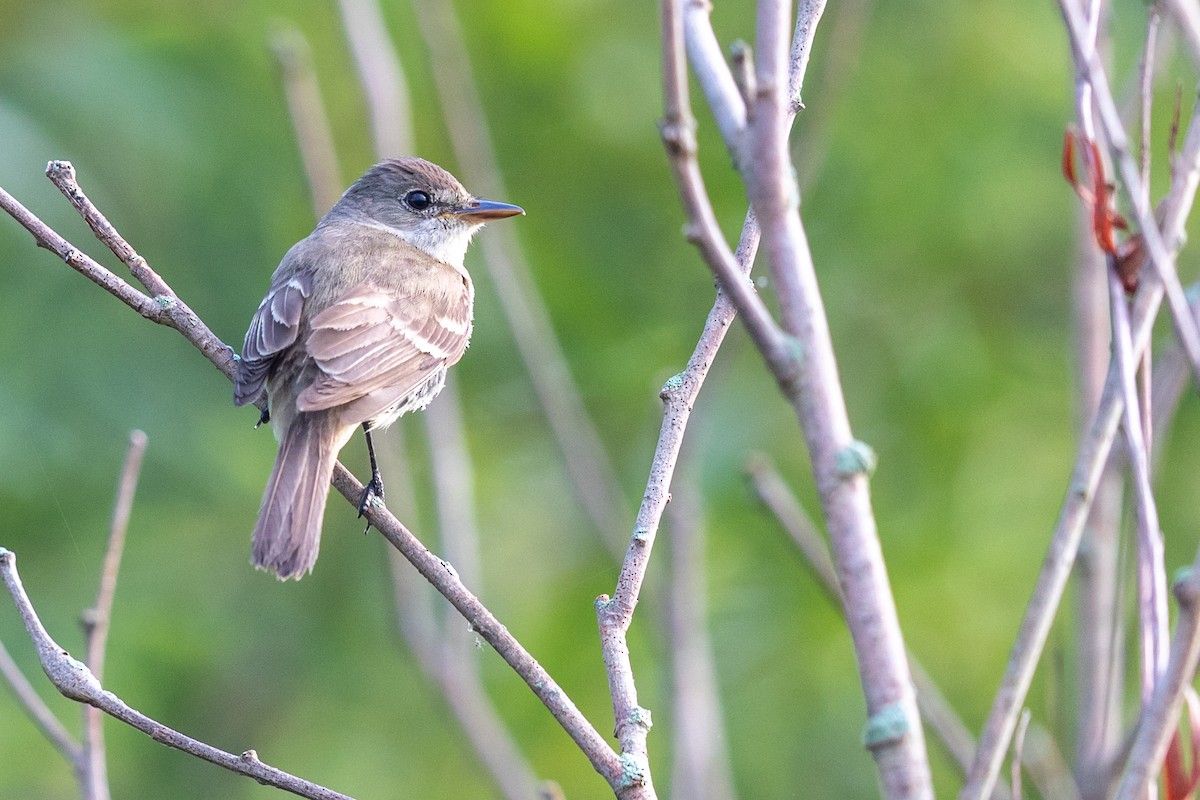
point(264, 416)
point(374, 487)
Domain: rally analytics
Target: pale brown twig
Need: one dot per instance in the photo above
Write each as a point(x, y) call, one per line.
point(313, 135)
point(588, 465)
point(74, 680)
point(700, 769)
point(37, 710)
point(1154, 627)
point(96, 620)
point(1160, 714)
point(1085, 477)
point(840, 463)
point(381, 76)
point(1159, 253)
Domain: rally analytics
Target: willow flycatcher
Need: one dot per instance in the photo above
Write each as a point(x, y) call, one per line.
point(361, 322)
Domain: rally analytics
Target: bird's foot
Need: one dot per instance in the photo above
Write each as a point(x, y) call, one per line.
point(372, 494)
point(264, 416)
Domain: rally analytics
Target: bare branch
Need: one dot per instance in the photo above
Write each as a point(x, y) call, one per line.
point(37, 710)
point(588, 465)
point(444, 578)
point(74, 680)
point(1085, 477)
point(1160, 254)
point(1159, 716)
point(96, 620)
point(701, 769)
point(164, 307)
point(840, 463)
point(381, 76)
point(1187, 17)
point(309, 121)
point(1151, 569)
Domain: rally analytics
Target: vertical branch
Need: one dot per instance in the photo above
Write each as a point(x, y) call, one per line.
point(1159, 715)
point(1097, 576)
point(381, 76)
point(309, 121)
point(840, 463)
point(96, 621)
point(588, 465)
point(701, 769)
point(1152, 577)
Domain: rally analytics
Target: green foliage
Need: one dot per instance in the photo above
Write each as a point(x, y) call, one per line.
point(942, 234)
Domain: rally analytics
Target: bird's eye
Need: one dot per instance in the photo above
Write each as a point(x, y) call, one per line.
point(417, 200)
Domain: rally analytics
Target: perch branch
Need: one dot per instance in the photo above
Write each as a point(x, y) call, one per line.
point(74, 680)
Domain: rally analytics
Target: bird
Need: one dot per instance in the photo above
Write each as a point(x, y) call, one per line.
point(361, 322)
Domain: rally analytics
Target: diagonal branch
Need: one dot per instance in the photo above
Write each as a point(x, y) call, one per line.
point(935, 709)
point(38, 711)
point(74, 680)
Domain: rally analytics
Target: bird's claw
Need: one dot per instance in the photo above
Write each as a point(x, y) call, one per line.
point(372, 495)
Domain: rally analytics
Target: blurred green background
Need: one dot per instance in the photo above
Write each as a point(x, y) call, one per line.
point(943, 236)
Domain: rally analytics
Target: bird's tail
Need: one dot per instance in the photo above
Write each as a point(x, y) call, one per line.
point(287, 535)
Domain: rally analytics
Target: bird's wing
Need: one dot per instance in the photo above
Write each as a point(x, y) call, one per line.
point(274, 327)
point(380, 346)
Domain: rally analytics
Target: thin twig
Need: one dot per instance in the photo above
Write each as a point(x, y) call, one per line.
point(1159, 716)
point(381, 76)
point(1019, 752)
point(1097, 578)
point(1085, 477)
point(1187, 17)
point(444, 578)
point(97, 619)
point(37, 710)
point(1160, 254)
point(589, 467)
point(701, 769)
point(1151, 570)
point(309, 120)
point(162, 307)
point(74, 680)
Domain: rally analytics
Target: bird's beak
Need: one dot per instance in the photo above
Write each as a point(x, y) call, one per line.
point(484, 210)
